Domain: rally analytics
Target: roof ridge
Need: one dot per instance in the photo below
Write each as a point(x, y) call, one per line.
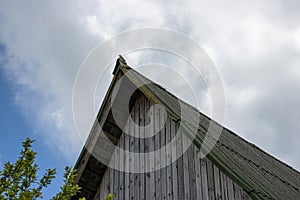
point(263, 167)
point(231, 132)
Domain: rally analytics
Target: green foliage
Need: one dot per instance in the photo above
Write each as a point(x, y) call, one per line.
point(19, 180)
point(109, 197)
point(69, 188)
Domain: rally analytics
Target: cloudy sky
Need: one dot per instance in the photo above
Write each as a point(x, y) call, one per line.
point(255, 46)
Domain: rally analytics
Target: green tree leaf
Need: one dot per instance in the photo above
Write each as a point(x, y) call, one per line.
point(19, 180)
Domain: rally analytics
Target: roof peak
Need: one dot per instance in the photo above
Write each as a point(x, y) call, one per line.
point(120, 62)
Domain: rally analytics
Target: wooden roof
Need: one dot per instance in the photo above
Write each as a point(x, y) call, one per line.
point(261, 175)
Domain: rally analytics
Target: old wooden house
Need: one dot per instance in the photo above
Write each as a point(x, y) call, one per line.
point(233, 169)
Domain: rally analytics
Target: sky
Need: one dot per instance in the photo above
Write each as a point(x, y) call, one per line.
point(255, 46)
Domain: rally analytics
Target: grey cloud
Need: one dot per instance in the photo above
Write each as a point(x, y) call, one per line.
point(253, 44)
point(45, 47)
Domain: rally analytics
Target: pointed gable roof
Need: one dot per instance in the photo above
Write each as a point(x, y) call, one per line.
point(261, 175)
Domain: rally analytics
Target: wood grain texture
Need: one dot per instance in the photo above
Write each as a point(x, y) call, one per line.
point(174, 157)
point(157, 154)
point(189, 177)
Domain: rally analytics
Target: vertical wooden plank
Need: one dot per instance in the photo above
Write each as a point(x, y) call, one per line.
point(147, 150)
point(126, 163)
point(106, 183)
point(157, 154)
point(192, 173)
point(198, 174)
point(224, 186)
point(237, 191)
point(174, 158)
point(163, 155)
point(121, 167)
point(152, 188)
point(230, 190)
point(111, 176)
point(204, 179)
point(116, 183)
point(136, 149)
point(169, 160)
point(142, 147)
point(218, 194)
point(210, 180)
point(108, 189)
point(186, 175)
point(179, 164)
point(131, 159)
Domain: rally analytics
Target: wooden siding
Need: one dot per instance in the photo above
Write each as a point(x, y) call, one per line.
point(189, 177)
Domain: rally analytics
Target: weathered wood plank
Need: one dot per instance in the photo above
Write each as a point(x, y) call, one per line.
point(111, 177)
point(192, 173)
point(169, 159)
point(216, 171)
point(142, 147)
point(157, 154)
point(224, 186)
point(174, 156)
point(147, 150)
point(230, 190)
point(152, 193)
point(131, 159)
point(136, 149)
point(204, 179)
point(186, 174)
point(163, 157)
point(121, 167)
point(116, 173)
point(237, 192)
point(210, 180)
point(180, 165)
point(197, 165)
point(126, 164)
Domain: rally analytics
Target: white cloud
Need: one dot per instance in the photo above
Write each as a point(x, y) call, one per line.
point(58, 118)
point(44, 50)
point(255, 46)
